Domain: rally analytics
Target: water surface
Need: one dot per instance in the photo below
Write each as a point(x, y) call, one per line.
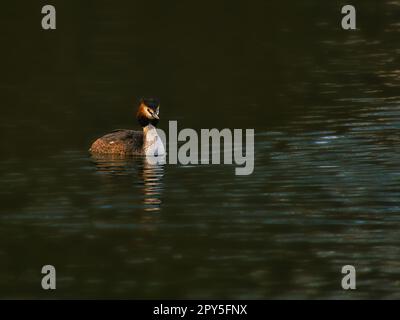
point(325, 106)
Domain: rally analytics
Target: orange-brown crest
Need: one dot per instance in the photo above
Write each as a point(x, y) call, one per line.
point(146, 113)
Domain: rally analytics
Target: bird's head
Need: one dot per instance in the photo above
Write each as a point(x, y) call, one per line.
point(148, 112)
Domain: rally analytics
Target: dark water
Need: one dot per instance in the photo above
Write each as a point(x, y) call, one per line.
point(325, 106)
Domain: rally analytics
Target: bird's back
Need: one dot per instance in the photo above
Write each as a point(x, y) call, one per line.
point(121, 141)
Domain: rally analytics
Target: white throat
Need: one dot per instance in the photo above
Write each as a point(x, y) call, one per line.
point(152, 143)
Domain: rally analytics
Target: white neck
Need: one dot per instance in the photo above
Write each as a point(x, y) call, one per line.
point(152, 143)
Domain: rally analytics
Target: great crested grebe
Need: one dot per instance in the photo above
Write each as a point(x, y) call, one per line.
point(130, 142)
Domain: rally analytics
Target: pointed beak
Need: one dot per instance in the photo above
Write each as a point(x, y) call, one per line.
point(155, 116)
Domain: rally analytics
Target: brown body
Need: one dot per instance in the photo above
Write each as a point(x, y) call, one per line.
point(122, 142)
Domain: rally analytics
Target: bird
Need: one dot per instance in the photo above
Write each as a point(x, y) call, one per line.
point(127, 142)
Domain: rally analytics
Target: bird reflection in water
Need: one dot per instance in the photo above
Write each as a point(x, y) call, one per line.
point(152, 174)
point(149, 172)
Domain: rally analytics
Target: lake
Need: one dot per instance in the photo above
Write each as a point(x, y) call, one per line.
point(325, 107)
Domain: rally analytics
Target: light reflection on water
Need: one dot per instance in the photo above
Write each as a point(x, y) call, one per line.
point(319, 199)
point(149, 175)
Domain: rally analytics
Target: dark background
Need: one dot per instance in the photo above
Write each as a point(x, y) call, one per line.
point(224, 64)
